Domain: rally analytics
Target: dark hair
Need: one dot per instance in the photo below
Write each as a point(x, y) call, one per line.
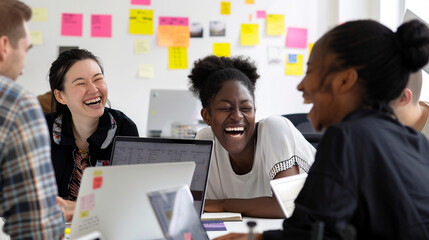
point(61, 66)
point(209, 74)
point(12, 15)
point(383, 59)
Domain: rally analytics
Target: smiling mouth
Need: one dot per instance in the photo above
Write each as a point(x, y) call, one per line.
point(234, 131)
point(93, 101)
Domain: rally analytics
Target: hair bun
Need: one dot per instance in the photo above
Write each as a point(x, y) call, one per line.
point(413, 37)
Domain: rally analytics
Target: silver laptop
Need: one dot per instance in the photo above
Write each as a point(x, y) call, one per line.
point(286, 189)
point(176, 215)
point(135, 150)
point(113, 199)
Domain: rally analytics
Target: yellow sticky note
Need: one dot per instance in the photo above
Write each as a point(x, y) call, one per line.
point(39, 15)
point(141, 46)
point(173, 36)
point(225, 8)
point(275, 24)
point(141, 21)
point(36, 37)
point(310, 47)
point(146, 71)
point(98, 173)
point(222, 49)
point(249, 34)
point(250, 1)
point(84, 214)
point(177, 58)
point(294, 64)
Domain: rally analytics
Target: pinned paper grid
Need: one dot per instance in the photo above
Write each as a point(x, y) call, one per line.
point(296, 38)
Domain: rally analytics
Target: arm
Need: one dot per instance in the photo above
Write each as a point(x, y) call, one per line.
point(27, 178)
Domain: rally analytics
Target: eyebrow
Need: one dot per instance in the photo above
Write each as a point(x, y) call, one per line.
point(243, 101)
point(80, 78)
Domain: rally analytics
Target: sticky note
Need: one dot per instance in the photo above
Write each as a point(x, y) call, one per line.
point(146, 71)
point(249, 34)
point(291, 58)
point(295, 69)
point(97, 173)
point(141, 21)
point(260, 14)
point(214, 225)
point(173, 36)
point(87, 202)
point(84, 214)
point(141, 46)
point(275, 24)
point(173, 21)
point(140, 2)
point(296, 37)
point(97, 182)
point(39, 15)
point(101, 25)
point(222, 49)
point(36, 37)
point(71, 24)
point(225, 8)
point(177, 58)
point(187, 236)
point(310, 47)
point(250, 1)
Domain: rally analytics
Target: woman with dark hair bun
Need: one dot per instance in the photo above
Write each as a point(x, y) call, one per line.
point(246, 155)
point(371, 173)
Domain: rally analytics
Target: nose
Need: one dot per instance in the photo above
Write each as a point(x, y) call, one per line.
point(300, 87)
point(236, 114)
point(92, 87)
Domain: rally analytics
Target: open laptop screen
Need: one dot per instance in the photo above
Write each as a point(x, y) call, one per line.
point(135, 150)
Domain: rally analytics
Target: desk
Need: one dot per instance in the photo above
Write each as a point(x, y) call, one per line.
point(241, 226)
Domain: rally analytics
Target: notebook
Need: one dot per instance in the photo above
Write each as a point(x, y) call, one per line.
point(135, 150)
point(286, 190)
point(113, 199)
point(176, 215)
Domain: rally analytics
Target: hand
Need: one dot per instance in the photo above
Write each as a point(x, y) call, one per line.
point(214, 205)
point(240, 236)
point(62, 204)
point(69, 210)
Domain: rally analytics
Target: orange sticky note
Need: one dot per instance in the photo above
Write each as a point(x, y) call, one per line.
point(97, 182)
point(173, 36)
point(250, 1)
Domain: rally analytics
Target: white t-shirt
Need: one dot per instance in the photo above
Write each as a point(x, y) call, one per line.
point(277, 141)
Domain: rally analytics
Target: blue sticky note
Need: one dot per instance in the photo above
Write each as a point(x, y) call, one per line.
point(292, 58)
point(214, 226)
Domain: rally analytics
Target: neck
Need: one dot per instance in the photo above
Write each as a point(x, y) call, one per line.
point(242, 162)
point(415, 116)
point(82, 130)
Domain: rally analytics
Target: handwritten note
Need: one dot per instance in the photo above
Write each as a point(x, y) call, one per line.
point(260, 14)
point(87, 202)
point(296, 38)
point(36, 37)
point(140, 2)
point(101, 25)
point(39, 15)
point(71, 24)
point(225, 8)
point(141, 21)
point(294, 65)
point(177, 58)
point(222, 49)
point(146, 71)
point(275, 24)
point(173, 32)
point(174, 21)
point(97, 182)
point(141, 46)
point(249, 34)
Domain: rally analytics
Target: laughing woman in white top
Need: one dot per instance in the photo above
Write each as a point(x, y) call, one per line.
point(247, 155)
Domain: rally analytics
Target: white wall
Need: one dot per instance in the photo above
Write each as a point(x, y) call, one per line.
point(276, 93)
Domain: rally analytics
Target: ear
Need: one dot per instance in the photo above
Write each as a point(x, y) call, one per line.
point(345, 80)
point(405, 97)
point(206, 116)
point(4, 44)
point(59, 97)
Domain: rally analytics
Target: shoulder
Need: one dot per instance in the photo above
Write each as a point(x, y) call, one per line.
point(120, 116)
point(205, 133)
point(276, 125)
point(125, 124)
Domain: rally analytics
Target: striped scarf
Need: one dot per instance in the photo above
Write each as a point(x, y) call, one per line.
point(81, 162)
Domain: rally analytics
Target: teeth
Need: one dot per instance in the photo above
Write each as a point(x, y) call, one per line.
point(93, 100)
point(235, 129)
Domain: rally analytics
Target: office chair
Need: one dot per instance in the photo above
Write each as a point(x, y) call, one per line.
point(300, 121)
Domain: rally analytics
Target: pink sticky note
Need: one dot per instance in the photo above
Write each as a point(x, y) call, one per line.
point(87, 202)
point(101, 25)
point(140, 2)
point(260, 14)
point(176, 21)
point(296, 38)
point(97, 182)
point(71, 24)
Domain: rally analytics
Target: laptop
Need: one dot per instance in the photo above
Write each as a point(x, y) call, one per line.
point(137, 150)
point(113, 199)
point(176, 215)
point(286, 189)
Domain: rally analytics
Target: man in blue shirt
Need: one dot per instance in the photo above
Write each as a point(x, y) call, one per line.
point(27, 183)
